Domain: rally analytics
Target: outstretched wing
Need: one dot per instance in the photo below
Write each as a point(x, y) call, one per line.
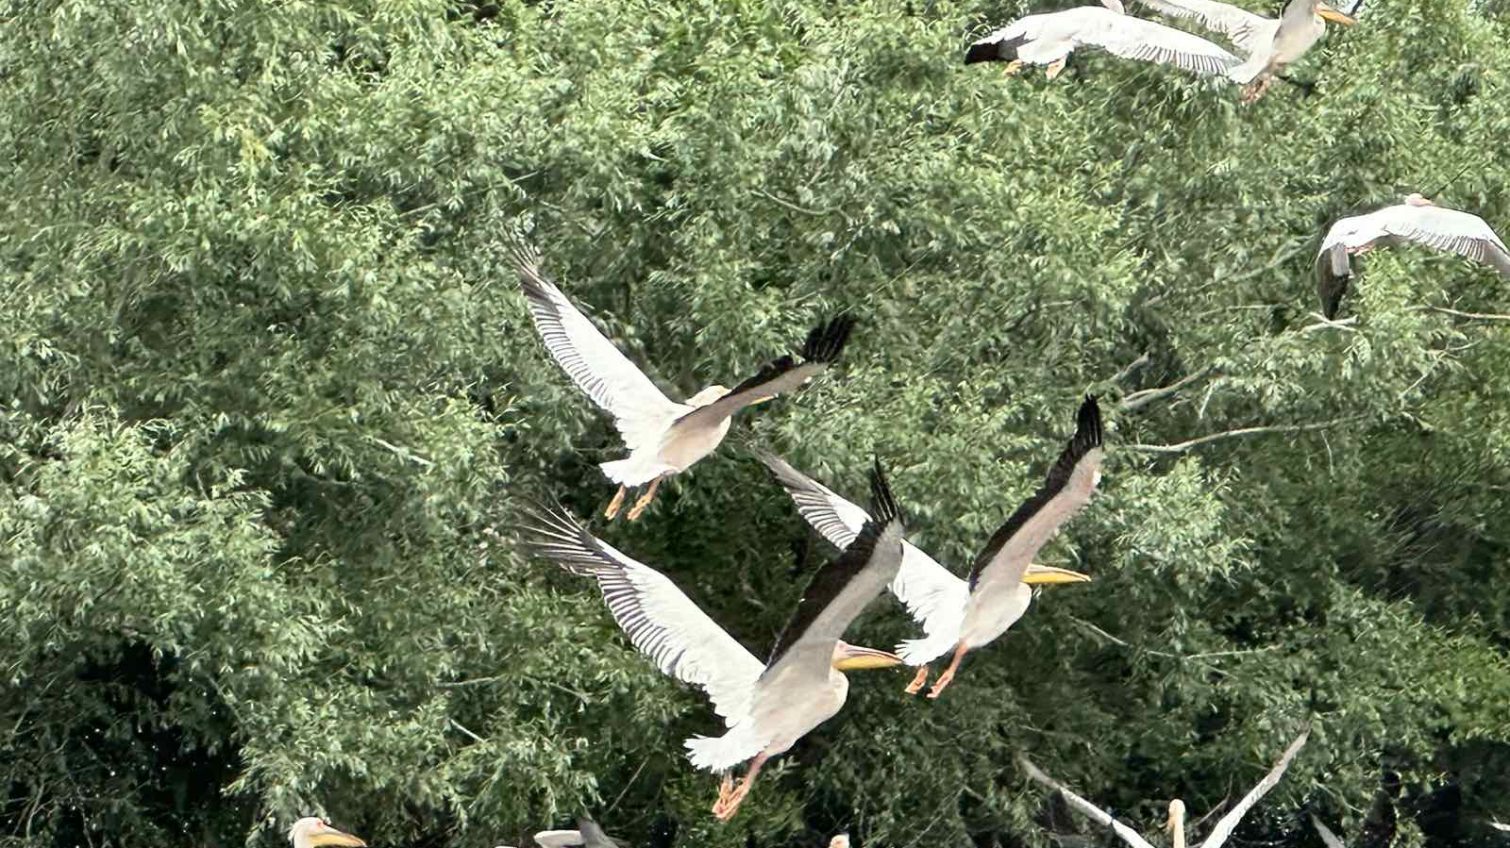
point(1447, 230)
point(1239, 26)
point(934, 597)
point(1067, 489)
point(824, 344)
point(1150, 41)
point(664, 624)
point(640, 411)
point(1226, 824)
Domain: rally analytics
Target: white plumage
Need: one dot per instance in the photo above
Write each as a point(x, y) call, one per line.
point(1049, 39)
point(1415, 220)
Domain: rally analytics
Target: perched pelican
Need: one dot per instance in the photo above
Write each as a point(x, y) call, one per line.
point(957, 615)
point(663, 437)
point(1415, 220)
point(1220, 832)
point(1270, 45)
point(1048, 39)
point(314, 832)
point(588, 834)
point(766, 706)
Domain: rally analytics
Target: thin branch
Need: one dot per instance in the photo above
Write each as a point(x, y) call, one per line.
point(1091, 811)
point(405, 453)
point(1131, 367)
point(1481, 316)
point(459, 726)
point(1181, 447)
point(1228, 823)
point(1324, 323)
point(1327, 836)
point(1140, 399)
point(787, 204)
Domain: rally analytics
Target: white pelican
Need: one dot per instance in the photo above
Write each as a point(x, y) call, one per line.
point(1270, 45)
point(766, 706)
point(588, 834)
point(315, 832)
point(663, 437)
point(1415, 220)
point(1175, 824)
point(1048, 39)
point(957, 615)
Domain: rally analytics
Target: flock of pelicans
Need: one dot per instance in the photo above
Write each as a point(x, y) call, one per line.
point(767, 706)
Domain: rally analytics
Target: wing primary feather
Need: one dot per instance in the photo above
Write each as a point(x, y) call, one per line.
point(824, 344)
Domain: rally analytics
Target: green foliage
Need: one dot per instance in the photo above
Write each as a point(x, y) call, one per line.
point(270, 401)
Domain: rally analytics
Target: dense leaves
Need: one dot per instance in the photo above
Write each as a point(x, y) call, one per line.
point(269, 398)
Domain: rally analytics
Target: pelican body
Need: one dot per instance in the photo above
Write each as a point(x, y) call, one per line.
point(1049, 39)
point(588, 834)
point(664, 437)
point(1415, 220)
point(766, 706)
point(962, 615)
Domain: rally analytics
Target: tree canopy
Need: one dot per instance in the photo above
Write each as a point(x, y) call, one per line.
point(270, 401)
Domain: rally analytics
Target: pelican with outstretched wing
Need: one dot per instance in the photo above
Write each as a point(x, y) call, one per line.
point(1049, 39)
point(1416, 220)
point(664, 437)
point(588, 834)
point(1269, 44)
point(767, 706)
point(315, 832)
point(960, 615)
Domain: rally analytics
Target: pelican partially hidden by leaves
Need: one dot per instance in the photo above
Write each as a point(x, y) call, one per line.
point(766, 706)
point(1049, 39)
point(1416, 220)
point(664, 437)
point(588, 834)
point(1270, 45)
point(315, 832)
point(956, 614)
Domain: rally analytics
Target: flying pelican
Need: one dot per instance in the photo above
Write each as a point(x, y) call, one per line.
point(663, 437)
point(588, 834)
point(1415, 220)
point(1048, 39)
point(766, 706)
point(1270, 45)
point(1175, 824)
point(314, 832)
point(957, 615)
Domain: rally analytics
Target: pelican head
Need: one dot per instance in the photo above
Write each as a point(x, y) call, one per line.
point(849, 657)
point(1417, 199)
point(1115, 6)
point(840, 841)
point(313, 832)
point(1176, 823)
point(707, 396)
point(1048, 575)
point(1327, 13)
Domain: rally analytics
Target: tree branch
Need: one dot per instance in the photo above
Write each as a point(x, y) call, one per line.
point(1181, 447)
point(1091, 811)
point(1131, 367)
point(1140, 399)
point(1481, 316)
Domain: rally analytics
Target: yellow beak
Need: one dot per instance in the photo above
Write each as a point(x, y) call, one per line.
point(336, 837)
point(1048, 575)
point(856, 658)
point(1328, 13)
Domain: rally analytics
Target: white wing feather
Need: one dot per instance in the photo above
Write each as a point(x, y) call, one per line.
point(641, 412)
point(1241, 27)
point(1228, 823)
point(661, 622)
point(1149, 41)
point(558, 838)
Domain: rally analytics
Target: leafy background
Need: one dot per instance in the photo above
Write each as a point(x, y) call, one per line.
point(269, 397)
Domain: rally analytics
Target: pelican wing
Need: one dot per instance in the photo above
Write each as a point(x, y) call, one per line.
point(1227, 823)
point(664, 624)
point(1447, 230)
point(1328, 838)
point(1095, 813)
point(824, 344)
point(558, 838)
point(934, 597)
point(641, 412)
point(1150, 41)
point(840, 591)
point(594, 837)
point(1239, 26)
point(1067, 489)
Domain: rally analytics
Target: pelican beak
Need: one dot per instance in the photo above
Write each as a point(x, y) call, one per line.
point(1328, 13)
point(331, 836)
point(1047, 575)
point(855, 658)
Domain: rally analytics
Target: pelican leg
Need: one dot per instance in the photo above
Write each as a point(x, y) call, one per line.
point(1013, 68)
point(918, 680)
point(645, 499)
point(1256, 89)
point(948, 676)
point(1055, 68)
point(725, 791)
point(615, 505)
point(723, 810)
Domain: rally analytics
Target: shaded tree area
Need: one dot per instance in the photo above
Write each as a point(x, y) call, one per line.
point(270, 398)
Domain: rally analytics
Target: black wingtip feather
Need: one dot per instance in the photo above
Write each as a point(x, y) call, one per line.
point(883, 504)
point(1001, 50)
point(1088, 423)
point(826, 341)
